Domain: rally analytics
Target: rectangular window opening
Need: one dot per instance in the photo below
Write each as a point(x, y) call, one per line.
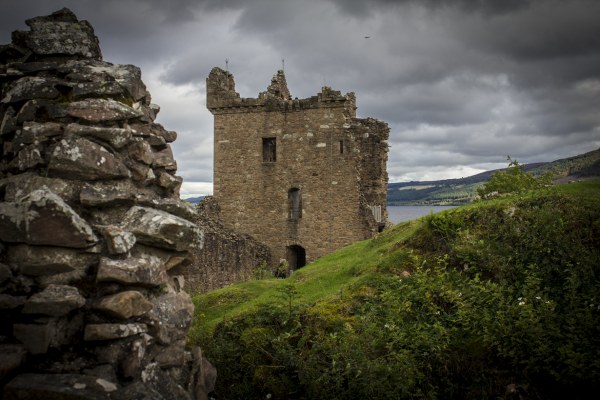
point(341, 147)
point(295, 204)
point(269, 147)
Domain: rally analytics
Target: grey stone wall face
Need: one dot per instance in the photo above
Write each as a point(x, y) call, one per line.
point(337, 161)
point(227, 256)
point(91, 228)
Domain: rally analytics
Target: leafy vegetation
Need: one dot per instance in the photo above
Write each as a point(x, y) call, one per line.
point(513, 179)
point(498, 299)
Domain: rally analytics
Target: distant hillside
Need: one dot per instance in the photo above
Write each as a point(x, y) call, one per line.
point(463, 190)
point(194, 200)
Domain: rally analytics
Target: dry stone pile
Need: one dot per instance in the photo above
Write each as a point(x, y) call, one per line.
point(91, 228)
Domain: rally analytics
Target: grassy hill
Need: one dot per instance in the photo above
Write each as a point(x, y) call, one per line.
point(464, 190)
point(498, 299)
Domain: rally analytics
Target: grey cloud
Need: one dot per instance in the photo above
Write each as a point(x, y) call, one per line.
point(462, 83)
point(487, 7)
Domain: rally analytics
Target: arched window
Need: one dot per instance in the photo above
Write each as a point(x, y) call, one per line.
point(294, 204)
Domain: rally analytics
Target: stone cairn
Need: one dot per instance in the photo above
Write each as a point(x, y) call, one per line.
point(91, 226)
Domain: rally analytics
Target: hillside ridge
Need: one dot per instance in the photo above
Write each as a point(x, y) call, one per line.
point(461, 191)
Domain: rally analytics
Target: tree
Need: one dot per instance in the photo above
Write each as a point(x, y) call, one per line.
point(512, 180)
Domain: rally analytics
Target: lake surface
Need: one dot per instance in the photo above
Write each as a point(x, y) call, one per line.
point(398, 214)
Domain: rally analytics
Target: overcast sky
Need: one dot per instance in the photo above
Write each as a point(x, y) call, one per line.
point(462, 83)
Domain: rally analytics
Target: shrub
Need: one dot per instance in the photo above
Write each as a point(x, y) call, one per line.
point(512, 180)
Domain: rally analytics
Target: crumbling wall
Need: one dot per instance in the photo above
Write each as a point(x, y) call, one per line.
point(227, 257)
point(91, 228)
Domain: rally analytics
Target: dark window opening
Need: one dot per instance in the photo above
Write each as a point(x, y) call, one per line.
point(269, 146)
point(294, 204)
point(296, 256)
point(341, 147)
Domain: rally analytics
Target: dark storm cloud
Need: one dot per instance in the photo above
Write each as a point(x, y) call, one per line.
point(462, 83)
point(487, 7)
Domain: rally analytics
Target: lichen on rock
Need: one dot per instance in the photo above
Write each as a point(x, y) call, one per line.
point(91, 227)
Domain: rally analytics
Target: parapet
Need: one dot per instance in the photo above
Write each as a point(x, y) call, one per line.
point(221, 96)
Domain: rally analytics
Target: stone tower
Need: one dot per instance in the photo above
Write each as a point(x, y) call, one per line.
point(304, 176)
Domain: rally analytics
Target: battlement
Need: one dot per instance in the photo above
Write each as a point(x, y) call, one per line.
point(221, 96)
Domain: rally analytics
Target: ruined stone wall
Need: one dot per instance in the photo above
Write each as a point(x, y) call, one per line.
point(91, 228)
point(227, 257)
point(336, 161)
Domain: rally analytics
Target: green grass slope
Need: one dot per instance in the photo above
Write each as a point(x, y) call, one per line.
point(498, 299)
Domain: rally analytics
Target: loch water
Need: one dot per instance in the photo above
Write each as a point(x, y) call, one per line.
point(398, 214)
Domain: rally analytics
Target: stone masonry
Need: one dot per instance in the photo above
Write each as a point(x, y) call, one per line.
point(304, 176)
point(227, 257)
point(91, 228)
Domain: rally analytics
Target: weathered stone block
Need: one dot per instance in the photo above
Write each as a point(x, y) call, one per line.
point(64, 278)
point(40, 108)
point(43, 218)
point(130, 303)
point(108, 193)
point(98, 89)
point(29, 157)
point(101, 110)
point(164, 159)
point(171, 316)
point(42, 260)
point(173, 206)
point(12, 357)
point(170, 182)
point(145, 130)
point(35, 131)
point(161, 229)
point(18, 186)
point(13, 226)
point(141, 151)
point(154, 377)
point(144, 270)
point(172, 355)
point(116, 137)
point(204, 375)
point(112, 331)
point(141, 172)
point(127, 76)
point(54, 300)
point(35, 337)
point(59, 33)
point(31, 87)
point(8, 302)
point(118, 240)
point(76, 157)
point(9, 122)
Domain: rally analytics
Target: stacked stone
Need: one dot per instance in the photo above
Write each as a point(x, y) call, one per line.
point(226, 257)
point(90, 227)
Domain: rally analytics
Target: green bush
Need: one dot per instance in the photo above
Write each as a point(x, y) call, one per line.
point(499, 295)
point(512, 180)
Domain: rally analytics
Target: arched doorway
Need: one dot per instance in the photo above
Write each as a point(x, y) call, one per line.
point(296, 257)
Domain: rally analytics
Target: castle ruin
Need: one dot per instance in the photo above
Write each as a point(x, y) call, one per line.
point(304, 176)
